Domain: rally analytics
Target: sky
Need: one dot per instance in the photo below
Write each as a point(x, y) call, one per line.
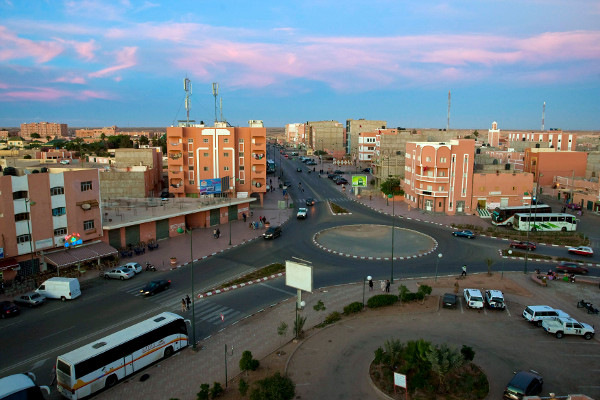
point(94, 63)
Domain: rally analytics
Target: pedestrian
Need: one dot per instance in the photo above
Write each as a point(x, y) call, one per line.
point(215, 233)
point(563, 210)
point(218, 233)
point(370, 285)
point(456, 287)
point(188, 301)
point(387, 286)
point(250, 225)
point(464, 270)
point(183, 306)
point(53, 375)
point(382, 286)
point(244, 216)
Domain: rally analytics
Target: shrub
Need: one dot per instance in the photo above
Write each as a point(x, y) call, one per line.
point(378, 355)
point(282, 328)
point(299, 325)
point(352, 308)
point(247, 363)
point(425, 289)
point(408, 297)
point(333, 317)
point(467, 352)
point(203, 393)
point(381, 300)
point(243, 387)
point(216, 390)
point(319, 306)
point(419, 295)
point(276, 387)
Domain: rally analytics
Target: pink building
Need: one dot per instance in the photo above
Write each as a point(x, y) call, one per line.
point(438, 175)
point(556, 139)
point(369, 143)
point(545, 164)
point(295, 134)
point(501, 189)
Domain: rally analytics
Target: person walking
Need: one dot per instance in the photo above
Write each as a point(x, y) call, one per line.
point(218, 233)
point(382, 286)
point(188, 301)
point(464, 270)
point(244, 216)
point(370, 285)
point(183, 306)
point(387, 286)
point(215, 233)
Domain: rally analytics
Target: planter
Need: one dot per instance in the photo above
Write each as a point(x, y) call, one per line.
point(173, 261)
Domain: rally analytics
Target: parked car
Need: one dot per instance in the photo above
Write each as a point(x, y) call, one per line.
point(154, 287)
point(31, 299)
point(338, 172)
point(311, 162)
point(567, 326)
point(60, 288)
point(286, 156)
point(571, 268)
point(65, 162)
point(119, 273)
point(368, 170)
point(464, 233)
point(341, 181)
point(573, 206)
point(272, 232)
point(310, 201)
point(523, 245)
point(332, 176)
point(287, 184)
point(494, 299)
point(137, 268)
point(449, 300)
point(537, 314)
point(8, 309)
point(524, 383)
point(582, 251)
point(473, 298)
point(301, 213)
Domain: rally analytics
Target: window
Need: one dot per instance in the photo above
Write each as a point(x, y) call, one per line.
point(205, 140)
point(60, 232)
point(190, 140)
point(58, 211)
point(21, 217)
point(241, 167)
point(190, 154)
point(191, 182)
point(23, 238)
point(241, 181)
point(205, 154)
point(85, 186)
point(225, 168)
point(241, 154)
point(205, 168)
point(440, 188)
point(241, 141)
point(225, 140)
point(225, 154)
point(22, 194)
point(55, 191)
point(191, 167)
point(427, 158)
point(87, 225)
point(442, 159)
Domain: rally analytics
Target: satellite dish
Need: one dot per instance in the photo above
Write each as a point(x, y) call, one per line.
point(86, 206)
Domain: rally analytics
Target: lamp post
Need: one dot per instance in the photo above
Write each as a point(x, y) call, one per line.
point(229, 217)
point(227, 355)
point(502, 273)
point(437, 261)
point(302, 304)
point(181, 230)
point(365, 281)
point(393, 229)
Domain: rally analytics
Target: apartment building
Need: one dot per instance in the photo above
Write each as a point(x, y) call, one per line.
point(354, 127)
point(438, 176)
point(44, 129)
point(134, 173)
point(96, 133)
point(328, 136)
point(38, 211)
point(556, 139)
point(295, 134)
point(369, 143)
point(217, 161)
point(501, 189)
point(4, 134)
point(545, 164)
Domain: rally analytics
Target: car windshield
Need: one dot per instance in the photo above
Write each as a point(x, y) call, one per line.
point(497, 299)
point(151, 285)
point(476, 298)
point(125, 270)
point(35, 296)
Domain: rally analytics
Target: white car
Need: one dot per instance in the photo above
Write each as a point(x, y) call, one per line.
point(65, 162)
point(137, 268)
point(301, 213)
point(473, 298)
point(121, 273)
point(582, 251)
point(494, 299)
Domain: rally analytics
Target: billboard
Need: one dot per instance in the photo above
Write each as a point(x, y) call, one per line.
point(359, 181)
point(210, 186)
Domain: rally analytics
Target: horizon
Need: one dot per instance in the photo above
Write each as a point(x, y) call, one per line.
point(94, 63)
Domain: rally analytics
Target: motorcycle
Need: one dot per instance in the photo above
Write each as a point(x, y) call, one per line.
point(588, 306)
point(150, 267)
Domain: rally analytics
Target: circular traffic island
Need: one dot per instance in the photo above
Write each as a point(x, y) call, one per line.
point(374, 241)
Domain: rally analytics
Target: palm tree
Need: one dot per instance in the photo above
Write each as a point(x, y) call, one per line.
point(444, 359)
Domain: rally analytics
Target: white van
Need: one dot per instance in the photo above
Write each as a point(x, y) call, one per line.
point(21, 386)
point(536, 314)
point(60, 288)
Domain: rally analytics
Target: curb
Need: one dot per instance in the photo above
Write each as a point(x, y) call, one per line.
point(241, 285)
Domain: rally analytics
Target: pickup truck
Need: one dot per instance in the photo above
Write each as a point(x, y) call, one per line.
point(561, 326)
point(301, 213)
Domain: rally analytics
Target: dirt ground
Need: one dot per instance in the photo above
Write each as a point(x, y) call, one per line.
point(276, 361)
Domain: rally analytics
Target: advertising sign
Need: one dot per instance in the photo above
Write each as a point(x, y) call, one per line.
point(73, 240)
point(210, 186)
point(359, 181)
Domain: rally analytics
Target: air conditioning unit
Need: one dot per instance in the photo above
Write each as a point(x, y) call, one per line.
point(60, 241)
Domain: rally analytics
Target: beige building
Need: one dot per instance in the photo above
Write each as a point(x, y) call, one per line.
point(136, 173)
point(356, 126)
point(96, 133)
point(295, 134)
point(44, 129)
point(328, 136)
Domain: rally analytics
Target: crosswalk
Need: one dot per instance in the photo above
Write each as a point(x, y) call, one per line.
point(205, 310)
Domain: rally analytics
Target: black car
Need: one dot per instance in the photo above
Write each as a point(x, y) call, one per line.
point(338, 172)
point(449, 300)
point(8, 309)
point(154, 287)
point(524, 383)
point(310, 201)
point(332, 176)
point(272, 232)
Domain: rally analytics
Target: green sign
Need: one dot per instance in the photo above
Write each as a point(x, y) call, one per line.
point(359, 181)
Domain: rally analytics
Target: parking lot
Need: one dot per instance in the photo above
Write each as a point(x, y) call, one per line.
point(503, 341)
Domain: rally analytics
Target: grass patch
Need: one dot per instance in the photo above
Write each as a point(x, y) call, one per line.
point(337, 209)
point(560, 238)
point(259, 273)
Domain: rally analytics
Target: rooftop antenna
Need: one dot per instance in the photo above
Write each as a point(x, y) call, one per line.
point(543, 115)
point(448, 121)
point(215, 93)
point(187, 86)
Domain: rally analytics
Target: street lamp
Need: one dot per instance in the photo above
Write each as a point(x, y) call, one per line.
point(502, 273)
point(181, 230)
point(226, 355)
point(229, 217)
point(302, 304)
point(365, 281)
point(393, 228)
point(437, 261)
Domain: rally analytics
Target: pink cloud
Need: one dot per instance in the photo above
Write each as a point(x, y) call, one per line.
point(80, 80)
point(126, 58)
point(47, 94)
point(13, 47)
point(86, 49)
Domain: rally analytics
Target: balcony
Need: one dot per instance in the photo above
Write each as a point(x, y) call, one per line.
point(258, 185)
point(433, 179)
point(175, 158)
point(432, 193)
point(259, 158)
point(173, 143)
point(176, 185)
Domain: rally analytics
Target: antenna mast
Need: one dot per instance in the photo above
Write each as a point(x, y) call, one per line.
point(187, 86)
point(448, 121)
point(543, 115)
point(215, 91)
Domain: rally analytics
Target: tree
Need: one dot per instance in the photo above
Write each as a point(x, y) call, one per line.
point(393, 350)
point(276, 387)
point(144, 140)
point(489, 263)
point(392, 186)
point(444, 359)
point(476, 133)
point(247, 363)
point(35, 135)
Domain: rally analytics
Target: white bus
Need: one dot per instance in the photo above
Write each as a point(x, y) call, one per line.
point(104, 362)
point(504, 216)
point(552, 222)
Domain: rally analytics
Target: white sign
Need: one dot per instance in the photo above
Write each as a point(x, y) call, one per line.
point(44, 243)
point(400, 380)
point(299, 276)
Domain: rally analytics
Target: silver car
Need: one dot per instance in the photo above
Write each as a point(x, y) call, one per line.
point(31, 299)
point(137, 268)
point(121, 273)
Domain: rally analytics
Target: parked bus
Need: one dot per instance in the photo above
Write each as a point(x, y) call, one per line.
point(551, 222)
point(270, 166)
point(106, 361)
point(503, 216)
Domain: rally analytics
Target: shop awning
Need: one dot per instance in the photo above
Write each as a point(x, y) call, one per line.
point(71, 256)
point(8, 263)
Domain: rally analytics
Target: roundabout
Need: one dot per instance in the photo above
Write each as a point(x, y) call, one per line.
point(374, 242)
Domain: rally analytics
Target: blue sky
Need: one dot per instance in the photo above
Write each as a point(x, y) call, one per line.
point(99, 63)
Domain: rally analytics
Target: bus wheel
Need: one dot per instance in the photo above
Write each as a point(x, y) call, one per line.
point(168, 352)
point(509, 224)
point(564, 229)
point(111, 381)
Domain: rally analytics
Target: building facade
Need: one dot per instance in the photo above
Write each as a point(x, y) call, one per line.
point(545, 164)
point(354, 127)
point(556, 139)
point(232, 157)
point(328, 136)
point(295, 134)
point(438, 176)
point(44, 129)
point(501, 189)
point(96, 133)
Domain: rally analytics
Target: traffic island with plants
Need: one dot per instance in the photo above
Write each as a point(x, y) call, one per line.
point(337, 209)
point(432, 371)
